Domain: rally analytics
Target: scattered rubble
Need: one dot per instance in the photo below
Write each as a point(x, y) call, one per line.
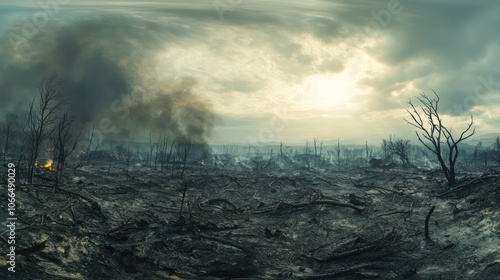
point(357, 223)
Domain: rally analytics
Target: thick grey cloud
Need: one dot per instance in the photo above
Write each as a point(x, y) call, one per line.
point(245, 51)
point(444, 45)
point(102, 63)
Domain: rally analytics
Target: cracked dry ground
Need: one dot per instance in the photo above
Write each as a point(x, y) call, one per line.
point(357, 223)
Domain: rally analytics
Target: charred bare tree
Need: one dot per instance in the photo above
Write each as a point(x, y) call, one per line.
point(337, 150)
point(204, 155)
point(496, 150)
point(128, 156)
point(347, 154)
point(307, 149)
point(215, 158)
point(385, 150)
point(464, 156)
point(6, 132)
point(169, 156)
point(320, 151)
point(13, 142)
point(256, 162)
point(437, 134)
point(486, 155)
point(158, 152)
point(161, 152)
point(315, 143)
point(261, 163)
point(399, 147)
point(151, 149)
point(89, 145)
point(183, 149)
point(184, 189)
point(283, 149)
point(475, 154)
point(368, 151)
point(40, 119)
point(64, 139)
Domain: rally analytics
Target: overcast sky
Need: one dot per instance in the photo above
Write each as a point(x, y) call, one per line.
point(274, 70)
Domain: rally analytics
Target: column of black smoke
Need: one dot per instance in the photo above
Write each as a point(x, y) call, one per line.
point(105, 67)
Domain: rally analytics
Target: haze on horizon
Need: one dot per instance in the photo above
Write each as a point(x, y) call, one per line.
point(262, 71)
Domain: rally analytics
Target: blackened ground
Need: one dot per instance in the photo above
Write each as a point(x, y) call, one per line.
point(352, 223)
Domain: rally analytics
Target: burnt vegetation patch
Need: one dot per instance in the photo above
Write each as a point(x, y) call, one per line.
point(174, 207)
point(226, 219)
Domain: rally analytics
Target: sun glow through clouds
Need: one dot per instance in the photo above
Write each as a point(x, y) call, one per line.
point(327, 91)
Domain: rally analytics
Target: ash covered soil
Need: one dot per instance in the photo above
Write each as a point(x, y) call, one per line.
point(236, 223)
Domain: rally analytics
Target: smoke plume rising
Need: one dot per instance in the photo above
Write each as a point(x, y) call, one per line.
point(110, 74)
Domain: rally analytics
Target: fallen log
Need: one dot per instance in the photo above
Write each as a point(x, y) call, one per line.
point(349, 253)
point(377, 188)
point(468, 184)
point(93, 204)
point(328, 182)
point(229, 243)
point(33, 249)
point(330, 202)
point(375, 245)
point(427, 238)
point(215, 200)
point(335, 275)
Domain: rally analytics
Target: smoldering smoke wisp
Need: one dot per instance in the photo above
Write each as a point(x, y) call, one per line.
point(108, 70)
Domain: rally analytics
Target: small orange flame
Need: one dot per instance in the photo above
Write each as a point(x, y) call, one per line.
point(48, 164)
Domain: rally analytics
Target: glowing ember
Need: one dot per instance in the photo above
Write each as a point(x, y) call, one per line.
point(48, 165)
